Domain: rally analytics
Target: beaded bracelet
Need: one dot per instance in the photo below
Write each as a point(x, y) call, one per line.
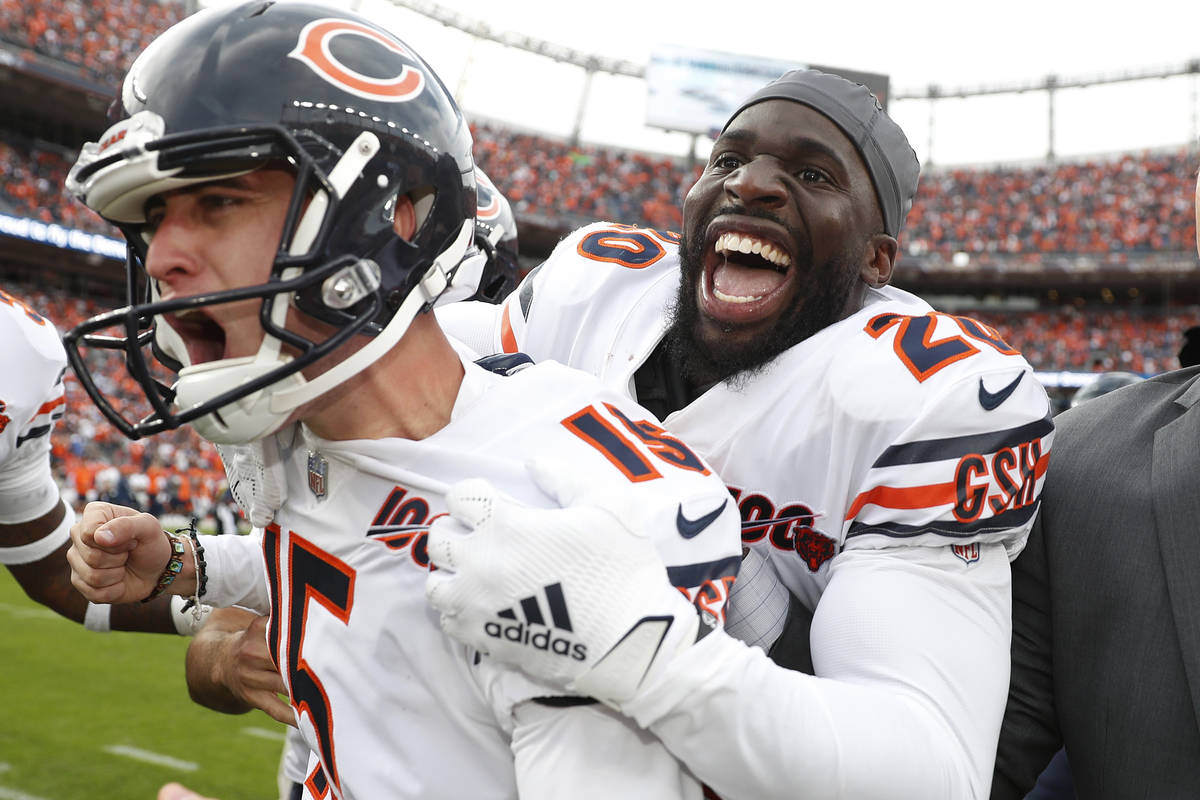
point(171, 571)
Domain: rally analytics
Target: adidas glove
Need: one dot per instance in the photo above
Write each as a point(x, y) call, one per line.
point(572, 596)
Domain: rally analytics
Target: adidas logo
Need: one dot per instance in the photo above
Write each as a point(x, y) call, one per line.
point(530, 627)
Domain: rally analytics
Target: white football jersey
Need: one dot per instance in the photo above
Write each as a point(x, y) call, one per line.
point(897, 426)
point(389, 705)
point(888, 467)
point(31, 399)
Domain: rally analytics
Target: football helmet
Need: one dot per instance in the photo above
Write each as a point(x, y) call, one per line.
point(496, 235)
point(1104, 383)
point(361, 119)
point(491, 270)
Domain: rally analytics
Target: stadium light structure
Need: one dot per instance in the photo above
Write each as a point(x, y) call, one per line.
point(590, 63)
point(1050, 84)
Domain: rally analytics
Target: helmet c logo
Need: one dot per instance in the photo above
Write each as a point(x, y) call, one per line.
point(487, 195)
point(313, 49)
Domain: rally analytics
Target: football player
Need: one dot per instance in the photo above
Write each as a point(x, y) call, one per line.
point(35, 523)
point(228, 666)
point(296, 189)
point(887, 460)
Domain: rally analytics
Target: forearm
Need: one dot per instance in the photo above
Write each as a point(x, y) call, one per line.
point(911, 660)
point(207, 656)
point(749, 729)
point(235, 575)
point(48, 582)
point(592, 753)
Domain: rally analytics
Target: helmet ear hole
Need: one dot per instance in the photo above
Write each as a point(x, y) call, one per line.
point(404, 218)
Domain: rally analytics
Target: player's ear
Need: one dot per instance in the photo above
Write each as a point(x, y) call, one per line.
point(879, 259)
point(404, 221)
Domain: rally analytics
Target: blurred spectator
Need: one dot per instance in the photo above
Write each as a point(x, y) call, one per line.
point(99, 37)
point(1144, 341)
point(33, 186)
point(1131, 203)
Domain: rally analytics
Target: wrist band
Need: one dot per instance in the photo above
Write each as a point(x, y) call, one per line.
point(172, 569)
point(201, 575)
point(98, 618)
point(36, 551)
point(188, 618)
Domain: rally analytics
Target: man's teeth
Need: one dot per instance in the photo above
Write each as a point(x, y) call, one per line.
point(729, 298)
point(740, 243)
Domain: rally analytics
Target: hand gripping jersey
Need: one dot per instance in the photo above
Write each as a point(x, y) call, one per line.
point(896, 440)
point(32, 362)
point(392, 708)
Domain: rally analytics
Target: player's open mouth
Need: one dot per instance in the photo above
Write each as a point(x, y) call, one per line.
point(201, 334)
point(744, 271)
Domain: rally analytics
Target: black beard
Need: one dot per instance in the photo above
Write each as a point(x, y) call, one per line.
point(822, 299)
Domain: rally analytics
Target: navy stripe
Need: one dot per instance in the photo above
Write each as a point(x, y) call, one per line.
point(955, 447)
point(953, 530)
point(558, 607)
point(34, 433)
point(526, 295)
point(389, 505)
point(507, 613)
point(611, 443)
point(533, 614)
point(383, 530)
point(695, 574)
point(504, 363)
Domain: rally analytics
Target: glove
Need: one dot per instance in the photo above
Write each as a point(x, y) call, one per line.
point(573, 596)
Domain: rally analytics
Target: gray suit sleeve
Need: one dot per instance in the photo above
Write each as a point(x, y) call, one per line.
point(1029, 735)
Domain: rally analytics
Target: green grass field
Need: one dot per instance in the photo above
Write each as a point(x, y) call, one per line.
point(67, 694)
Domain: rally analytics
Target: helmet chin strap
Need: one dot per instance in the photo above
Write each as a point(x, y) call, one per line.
point(433, 283)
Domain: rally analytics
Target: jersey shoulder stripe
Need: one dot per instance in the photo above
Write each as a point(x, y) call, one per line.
point(956, 447)
point(1013, 519)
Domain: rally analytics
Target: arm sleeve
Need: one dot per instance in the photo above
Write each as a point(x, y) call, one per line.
point(27, 486)
point(27, 482)
point(1029, 736)
point(236, 573)
point(591, 752)
point(911, 649)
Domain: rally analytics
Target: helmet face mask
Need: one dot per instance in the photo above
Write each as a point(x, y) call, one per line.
point(338, 259)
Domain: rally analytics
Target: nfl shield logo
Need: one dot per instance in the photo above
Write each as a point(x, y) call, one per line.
point(318, 468)
point(969, 553)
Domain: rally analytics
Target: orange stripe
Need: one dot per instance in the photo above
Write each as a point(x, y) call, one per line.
point(937, 494)
point(508, 339)
point(50, 406)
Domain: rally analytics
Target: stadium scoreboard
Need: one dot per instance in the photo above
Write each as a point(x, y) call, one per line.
point(695, 91)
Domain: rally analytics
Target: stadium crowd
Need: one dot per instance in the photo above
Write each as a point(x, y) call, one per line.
point(1078, 208)
point(1133, 203)
point(174, 473)
point(99, 38)
point(1095, 340)
point(33, 188)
